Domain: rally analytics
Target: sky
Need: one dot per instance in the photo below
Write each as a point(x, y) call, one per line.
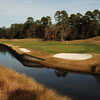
point(17, 11)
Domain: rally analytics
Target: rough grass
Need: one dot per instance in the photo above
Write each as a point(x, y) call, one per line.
point(46, 49)
point(52, 47)
point(19, 87)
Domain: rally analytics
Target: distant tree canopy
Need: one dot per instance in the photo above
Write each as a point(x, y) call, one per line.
point(75, 26)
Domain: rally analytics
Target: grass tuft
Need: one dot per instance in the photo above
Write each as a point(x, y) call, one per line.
point(19, 87)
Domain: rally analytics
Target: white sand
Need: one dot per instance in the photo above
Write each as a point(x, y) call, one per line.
point(24, 50)
point(73, 56)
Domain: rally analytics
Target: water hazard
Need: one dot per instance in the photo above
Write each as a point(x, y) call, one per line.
point(79, 86)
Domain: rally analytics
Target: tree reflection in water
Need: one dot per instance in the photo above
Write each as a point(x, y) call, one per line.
point(97, 77)
point(60, 73)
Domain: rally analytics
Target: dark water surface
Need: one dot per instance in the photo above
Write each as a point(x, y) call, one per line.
point(79, 86)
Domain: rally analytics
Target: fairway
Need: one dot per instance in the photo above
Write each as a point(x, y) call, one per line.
point(52, 47)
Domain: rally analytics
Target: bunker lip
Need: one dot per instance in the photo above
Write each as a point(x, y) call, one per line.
point(73, 56)
point(90, 65)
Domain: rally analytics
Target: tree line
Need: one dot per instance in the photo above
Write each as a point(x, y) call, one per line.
point(75, 26)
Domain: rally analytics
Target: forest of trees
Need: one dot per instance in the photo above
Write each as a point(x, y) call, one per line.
point(75, 26)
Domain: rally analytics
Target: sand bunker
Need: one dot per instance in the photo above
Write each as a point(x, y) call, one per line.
point(24, 50)
point(73, 56)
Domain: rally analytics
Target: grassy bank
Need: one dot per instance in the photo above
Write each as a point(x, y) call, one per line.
point(46, 49)
point(51, 47)
point(19, 87)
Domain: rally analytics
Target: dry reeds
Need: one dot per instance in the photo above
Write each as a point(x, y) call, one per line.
point(19, 87)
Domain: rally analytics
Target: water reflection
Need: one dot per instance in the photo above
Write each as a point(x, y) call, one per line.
point(97, 77)
point(80, 86)
point(60, 73)
point(63, 74)
point(5, 49)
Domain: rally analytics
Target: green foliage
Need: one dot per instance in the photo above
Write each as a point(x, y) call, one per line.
point(75, 26)
point(57, 46)
point(61, 18)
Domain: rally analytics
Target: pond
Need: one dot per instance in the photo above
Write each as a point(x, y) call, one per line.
point(78, 86)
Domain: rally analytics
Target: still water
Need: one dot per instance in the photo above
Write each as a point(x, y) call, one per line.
point(78, 86)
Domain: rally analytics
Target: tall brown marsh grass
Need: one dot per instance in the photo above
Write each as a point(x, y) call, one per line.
point(19, 87)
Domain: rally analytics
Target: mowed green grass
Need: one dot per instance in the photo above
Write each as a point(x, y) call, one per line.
point(55, 46)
